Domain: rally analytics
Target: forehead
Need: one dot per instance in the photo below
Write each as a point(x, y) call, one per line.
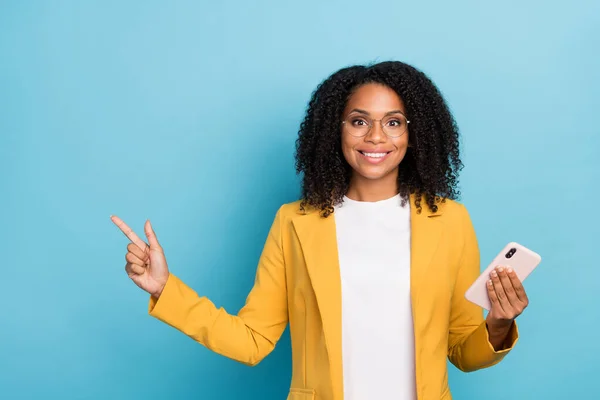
point(373, 98)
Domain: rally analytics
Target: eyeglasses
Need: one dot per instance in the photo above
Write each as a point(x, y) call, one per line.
point(393, 126)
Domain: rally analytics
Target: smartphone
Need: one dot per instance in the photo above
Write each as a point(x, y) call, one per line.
point(514, 255)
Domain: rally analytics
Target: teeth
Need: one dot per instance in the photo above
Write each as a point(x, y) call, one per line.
point(375, 155)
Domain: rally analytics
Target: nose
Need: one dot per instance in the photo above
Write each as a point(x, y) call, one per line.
point(376, 134)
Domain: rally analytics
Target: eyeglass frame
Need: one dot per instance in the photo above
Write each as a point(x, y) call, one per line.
point(372, 121)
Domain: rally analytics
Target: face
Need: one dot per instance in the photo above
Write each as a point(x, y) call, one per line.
point(374, 156)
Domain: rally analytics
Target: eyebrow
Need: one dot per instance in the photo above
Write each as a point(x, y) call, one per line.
point(358, 110)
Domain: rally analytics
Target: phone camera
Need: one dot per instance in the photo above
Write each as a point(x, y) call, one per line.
point(511, 253)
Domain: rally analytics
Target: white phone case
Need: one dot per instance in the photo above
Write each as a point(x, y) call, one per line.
point(522, 260)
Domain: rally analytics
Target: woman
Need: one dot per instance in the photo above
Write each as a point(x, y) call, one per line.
point(371, 266)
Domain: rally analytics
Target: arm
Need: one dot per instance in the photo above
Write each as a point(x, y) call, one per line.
point(251, 335)
point(470, 346)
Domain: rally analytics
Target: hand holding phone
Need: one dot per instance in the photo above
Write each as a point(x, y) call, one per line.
point(514, 255)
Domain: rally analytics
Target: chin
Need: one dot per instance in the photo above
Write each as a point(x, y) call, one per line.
point(373, 174)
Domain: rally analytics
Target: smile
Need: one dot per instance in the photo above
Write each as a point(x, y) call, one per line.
point(374, 158)
point(374, 155)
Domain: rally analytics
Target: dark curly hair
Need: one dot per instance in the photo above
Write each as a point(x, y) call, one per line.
point(431, 165)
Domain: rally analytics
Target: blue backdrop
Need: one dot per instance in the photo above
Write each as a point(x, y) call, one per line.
point(187, 113)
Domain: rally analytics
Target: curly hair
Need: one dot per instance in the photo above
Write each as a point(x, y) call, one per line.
point(431, 165)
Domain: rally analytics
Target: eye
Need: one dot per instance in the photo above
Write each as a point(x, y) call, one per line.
point(359, 122)
point(394, 123)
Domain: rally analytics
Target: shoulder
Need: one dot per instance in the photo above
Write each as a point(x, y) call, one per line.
point(287, 212)
point(461, 232)
point(291, 208)
point(451, 207)
point(453, 212)
point(446, 207)
point(295, 210)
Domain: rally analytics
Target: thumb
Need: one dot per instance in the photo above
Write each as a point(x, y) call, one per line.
point(152, 240)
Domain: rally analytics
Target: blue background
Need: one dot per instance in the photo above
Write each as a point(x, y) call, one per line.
point(187, 113)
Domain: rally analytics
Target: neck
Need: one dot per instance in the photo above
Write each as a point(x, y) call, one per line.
point(363, 189)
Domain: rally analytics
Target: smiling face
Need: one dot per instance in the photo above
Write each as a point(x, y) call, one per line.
point(374, 157)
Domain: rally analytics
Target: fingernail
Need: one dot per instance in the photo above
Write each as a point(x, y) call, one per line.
point(509, 270)
point(500, 269)
point(489, 282)
point(494, 274)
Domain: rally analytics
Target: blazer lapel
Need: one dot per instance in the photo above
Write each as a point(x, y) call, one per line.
point(317, 236)
point(425, 231)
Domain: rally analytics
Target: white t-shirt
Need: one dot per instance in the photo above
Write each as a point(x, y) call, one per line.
point(377, 328)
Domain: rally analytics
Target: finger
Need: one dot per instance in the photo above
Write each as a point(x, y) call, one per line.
point(152, 239)
point(499, 290)
point(128, 232)
point(133, 269)
point(139, 253)
point(133, 259)
point(508, 286)
point(518, 286)
point(492, 294)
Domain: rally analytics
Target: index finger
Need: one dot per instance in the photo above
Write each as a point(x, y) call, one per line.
point(135, 239)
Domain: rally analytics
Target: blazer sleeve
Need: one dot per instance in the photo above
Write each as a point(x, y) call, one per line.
point(250, 335)
point(469, 347)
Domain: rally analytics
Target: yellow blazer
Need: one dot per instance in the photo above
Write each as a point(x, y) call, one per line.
point(298, 281)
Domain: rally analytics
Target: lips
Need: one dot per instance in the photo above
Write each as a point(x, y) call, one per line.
point(374, 154)
point(374, 157)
